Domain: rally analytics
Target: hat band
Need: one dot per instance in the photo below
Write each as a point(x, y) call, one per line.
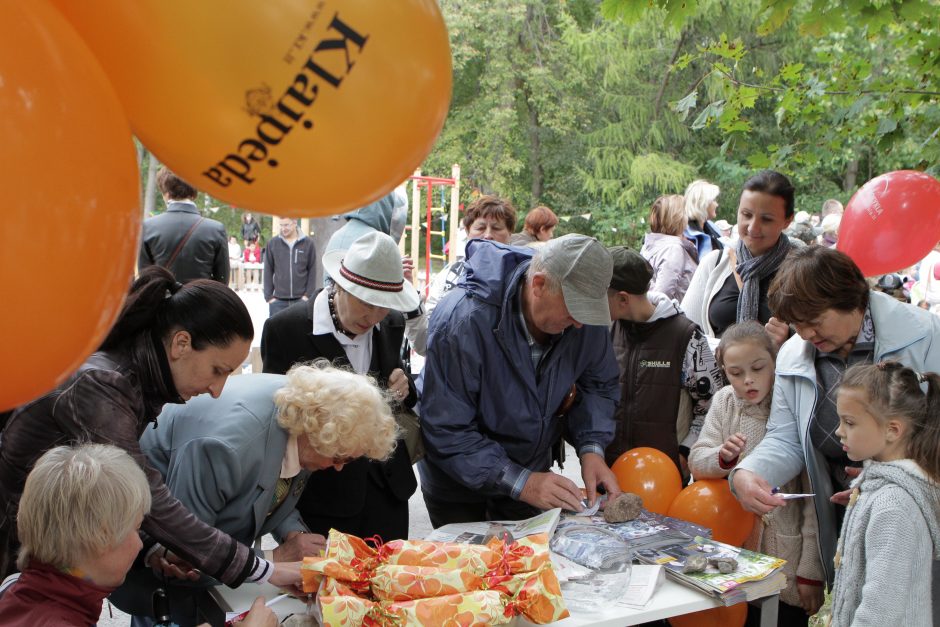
point(358, 279)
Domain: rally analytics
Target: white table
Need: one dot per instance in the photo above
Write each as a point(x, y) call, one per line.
point(238, 599)
point(671, 599)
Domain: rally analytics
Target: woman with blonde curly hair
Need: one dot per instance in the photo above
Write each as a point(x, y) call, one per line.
point(240, 462)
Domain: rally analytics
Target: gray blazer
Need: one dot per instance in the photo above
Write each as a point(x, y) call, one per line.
point(222, 458)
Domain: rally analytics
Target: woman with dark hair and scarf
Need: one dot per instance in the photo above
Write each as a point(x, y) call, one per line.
point(170, 342)
point(731, 285)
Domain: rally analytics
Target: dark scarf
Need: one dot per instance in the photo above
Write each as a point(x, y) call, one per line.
point(753, 270)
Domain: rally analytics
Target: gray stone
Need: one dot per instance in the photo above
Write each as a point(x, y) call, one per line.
point(625, 507)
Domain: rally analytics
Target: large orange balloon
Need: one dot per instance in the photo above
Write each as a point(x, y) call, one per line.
point(70, 209)
point(709, 503)
point(649, 473)
point(293, 107)
point(731, 616)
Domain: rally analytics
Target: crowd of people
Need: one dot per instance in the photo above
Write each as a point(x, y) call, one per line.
point(756, 352)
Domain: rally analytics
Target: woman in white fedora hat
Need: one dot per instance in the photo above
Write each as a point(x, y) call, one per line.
point(357, 321)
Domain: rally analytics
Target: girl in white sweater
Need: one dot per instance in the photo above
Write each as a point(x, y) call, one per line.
point(891, 531)
point(736, 422)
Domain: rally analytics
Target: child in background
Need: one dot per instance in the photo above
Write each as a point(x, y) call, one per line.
point(891, 531)
point(736, 423)
point(252, 255)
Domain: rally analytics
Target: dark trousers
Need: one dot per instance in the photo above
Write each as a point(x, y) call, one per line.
point(280, 304)
point(494, 508)
point(787, 616)
point(384, 515)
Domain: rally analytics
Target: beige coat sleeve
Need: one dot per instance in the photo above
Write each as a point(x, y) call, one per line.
point(720, 422)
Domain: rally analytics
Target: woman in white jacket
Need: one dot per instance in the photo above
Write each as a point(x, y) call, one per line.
point(730, 285)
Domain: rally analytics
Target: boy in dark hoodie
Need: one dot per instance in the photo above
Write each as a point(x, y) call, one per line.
point(668, 373)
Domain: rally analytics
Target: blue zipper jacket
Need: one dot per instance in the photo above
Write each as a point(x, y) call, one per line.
point(487, 416)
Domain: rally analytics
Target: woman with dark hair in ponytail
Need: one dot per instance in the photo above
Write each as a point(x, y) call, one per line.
point(171, 342)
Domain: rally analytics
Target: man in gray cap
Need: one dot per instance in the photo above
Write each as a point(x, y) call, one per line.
point(668, 371)
point(506, 348)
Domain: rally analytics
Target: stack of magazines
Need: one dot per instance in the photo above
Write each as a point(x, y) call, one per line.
point(756, 576)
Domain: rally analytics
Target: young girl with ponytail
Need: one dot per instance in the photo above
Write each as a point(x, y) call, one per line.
point(891, 531)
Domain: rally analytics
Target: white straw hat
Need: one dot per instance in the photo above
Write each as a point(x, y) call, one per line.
point(371, 271)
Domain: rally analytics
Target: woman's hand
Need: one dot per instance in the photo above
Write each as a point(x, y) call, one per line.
point(732, 447)
point(754, 493)
point(259, 615)
point(842, 498)
point(287, 575)
point(811, 597)
point(778, 331)
point(298, 545)
point(398, 384)
point(169, 564)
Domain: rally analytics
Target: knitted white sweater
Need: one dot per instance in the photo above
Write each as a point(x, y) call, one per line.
point(788, 532)
point(889, 538)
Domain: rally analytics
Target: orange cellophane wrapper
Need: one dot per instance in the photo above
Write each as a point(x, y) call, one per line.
point(446, 555)
point(395, 582)
point(315, 569)
point(535, 595)
point(477, 608)
point(522, 556)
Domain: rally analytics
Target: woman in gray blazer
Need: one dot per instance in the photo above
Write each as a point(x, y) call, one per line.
point(240, 461)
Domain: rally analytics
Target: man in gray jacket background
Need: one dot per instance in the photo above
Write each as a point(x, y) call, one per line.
point(290, 272)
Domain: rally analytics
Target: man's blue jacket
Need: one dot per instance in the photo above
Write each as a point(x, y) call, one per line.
point(487, 415)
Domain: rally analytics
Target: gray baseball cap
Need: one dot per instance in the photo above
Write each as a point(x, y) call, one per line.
point(584, 267)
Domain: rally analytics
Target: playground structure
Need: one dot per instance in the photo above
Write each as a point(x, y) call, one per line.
point(446, 217)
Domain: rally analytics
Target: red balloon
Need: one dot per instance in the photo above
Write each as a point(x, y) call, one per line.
point(650, 474)
point(709, 502)
point(731, 616)
point(892, 222)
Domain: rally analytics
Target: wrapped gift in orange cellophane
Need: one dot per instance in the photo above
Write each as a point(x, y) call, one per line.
point(417, 582)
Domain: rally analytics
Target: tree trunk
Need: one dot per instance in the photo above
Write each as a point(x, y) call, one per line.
point(851, 176)
point(535, 146)
point(150, 201)
point(322, 230)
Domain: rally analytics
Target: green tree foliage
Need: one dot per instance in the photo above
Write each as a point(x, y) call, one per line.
point(854, 94)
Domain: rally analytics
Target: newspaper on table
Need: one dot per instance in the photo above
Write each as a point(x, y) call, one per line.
point(476, 532)
point(757, 575)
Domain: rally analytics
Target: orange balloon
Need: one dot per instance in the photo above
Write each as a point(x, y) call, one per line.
point(70, 211)
point(650, 474)
point(731, 616)
point(709, 503)
point(294, 107)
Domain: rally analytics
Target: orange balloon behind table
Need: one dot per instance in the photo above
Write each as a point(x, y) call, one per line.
point(70, 209)
point(649, 473)
point(731, 616)
point(294, 107)
point(709, 502)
